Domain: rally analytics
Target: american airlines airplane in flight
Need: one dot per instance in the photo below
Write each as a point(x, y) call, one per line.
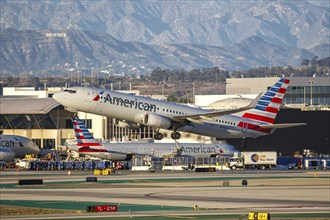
point(87, 145)
point(14, 146)
point(132, 111)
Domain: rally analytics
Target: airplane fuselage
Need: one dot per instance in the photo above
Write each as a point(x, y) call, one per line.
point(135, 108)
point(120, 151)
point(16, 146)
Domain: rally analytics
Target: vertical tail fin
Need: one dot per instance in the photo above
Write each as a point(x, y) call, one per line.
point(269, 103)
point(84, 137)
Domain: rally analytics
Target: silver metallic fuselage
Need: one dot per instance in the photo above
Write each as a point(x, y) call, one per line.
point(119, 151)
point(16, 146)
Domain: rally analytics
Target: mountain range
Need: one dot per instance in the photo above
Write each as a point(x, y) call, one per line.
point(133, 37)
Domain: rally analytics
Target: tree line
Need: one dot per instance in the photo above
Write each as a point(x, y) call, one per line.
point(214, 74)
point(308, 68)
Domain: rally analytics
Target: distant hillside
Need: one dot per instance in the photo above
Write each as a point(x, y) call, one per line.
point(44, 52)
point(134, 37)
point(303, 24)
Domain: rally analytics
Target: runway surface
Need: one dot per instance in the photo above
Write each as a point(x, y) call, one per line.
point(180, 194)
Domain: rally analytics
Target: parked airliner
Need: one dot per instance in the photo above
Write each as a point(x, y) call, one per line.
point(14, 146)
point(132, 111)
point(87, 145)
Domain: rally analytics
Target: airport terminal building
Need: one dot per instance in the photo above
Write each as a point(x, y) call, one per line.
point(302, 91)
point(33, 114)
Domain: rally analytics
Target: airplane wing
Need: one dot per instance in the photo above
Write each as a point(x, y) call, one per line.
point(209, 115)
point(287, 125)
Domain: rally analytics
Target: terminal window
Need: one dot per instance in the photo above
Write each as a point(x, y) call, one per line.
point(37, 142)
point(87, 123)
point(49, 143)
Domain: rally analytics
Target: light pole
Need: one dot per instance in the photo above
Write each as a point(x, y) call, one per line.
point(311, 82)
point(193, 92)
point(163, 90)
point(304, 95)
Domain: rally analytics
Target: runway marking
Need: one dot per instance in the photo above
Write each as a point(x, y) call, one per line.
point(185, 217)
point(49, 202)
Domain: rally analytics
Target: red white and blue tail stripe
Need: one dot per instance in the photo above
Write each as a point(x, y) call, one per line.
point(88, 145)
point(84, 137)
point(269, 104)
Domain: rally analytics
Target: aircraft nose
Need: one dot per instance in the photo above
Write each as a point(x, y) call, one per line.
point(55, 96)
point(59, 97)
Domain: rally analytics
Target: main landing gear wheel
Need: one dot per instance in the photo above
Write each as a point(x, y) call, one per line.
point(175, 135)
point(158, 136)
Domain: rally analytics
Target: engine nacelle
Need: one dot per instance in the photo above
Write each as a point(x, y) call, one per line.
point(6, 154)
point(157, 121)
point(128, 125)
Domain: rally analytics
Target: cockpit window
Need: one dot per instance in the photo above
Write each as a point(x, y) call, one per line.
point(70, 90)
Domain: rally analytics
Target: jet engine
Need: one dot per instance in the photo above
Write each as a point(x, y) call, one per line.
point(157, 121)
point(112, 156)
point(7, 154)
point(128, 125)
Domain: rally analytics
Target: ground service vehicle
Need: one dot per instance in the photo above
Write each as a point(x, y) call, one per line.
point(260, 160)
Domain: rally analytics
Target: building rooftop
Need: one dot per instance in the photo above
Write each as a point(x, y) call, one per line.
point(230, 103)
point(305, 81)
point(27, 106)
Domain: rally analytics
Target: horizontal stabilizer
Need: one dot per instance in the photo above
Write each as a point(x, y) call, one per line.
point(287, 125)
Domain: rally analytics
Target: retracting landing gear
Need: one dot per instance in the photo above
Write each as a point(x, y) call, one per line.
point(179, 149)
point(158, 136)
point(175, 135)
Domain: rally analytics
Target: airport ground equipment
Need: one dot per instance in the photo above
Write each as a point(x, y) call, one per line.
point(23, 164)
point(312, 164)
point(316, 163)
point(62, 165)
point(180, 163)
point(260, 160)
point(91, 179)
point(259, 216)
point(205, 169)
point(325, 164)
point(30, 182)
point(104, 172)
point(3, 166)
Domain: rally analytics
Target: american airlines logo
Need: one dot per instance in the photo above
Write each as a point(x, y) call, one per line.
point(199, 149)
point(10, 143)
point(128, 103)
point(96, 98)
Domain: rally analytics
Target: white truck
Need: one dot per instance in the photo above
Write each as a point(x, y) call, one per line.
point(23, 164)
point(260, 160)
